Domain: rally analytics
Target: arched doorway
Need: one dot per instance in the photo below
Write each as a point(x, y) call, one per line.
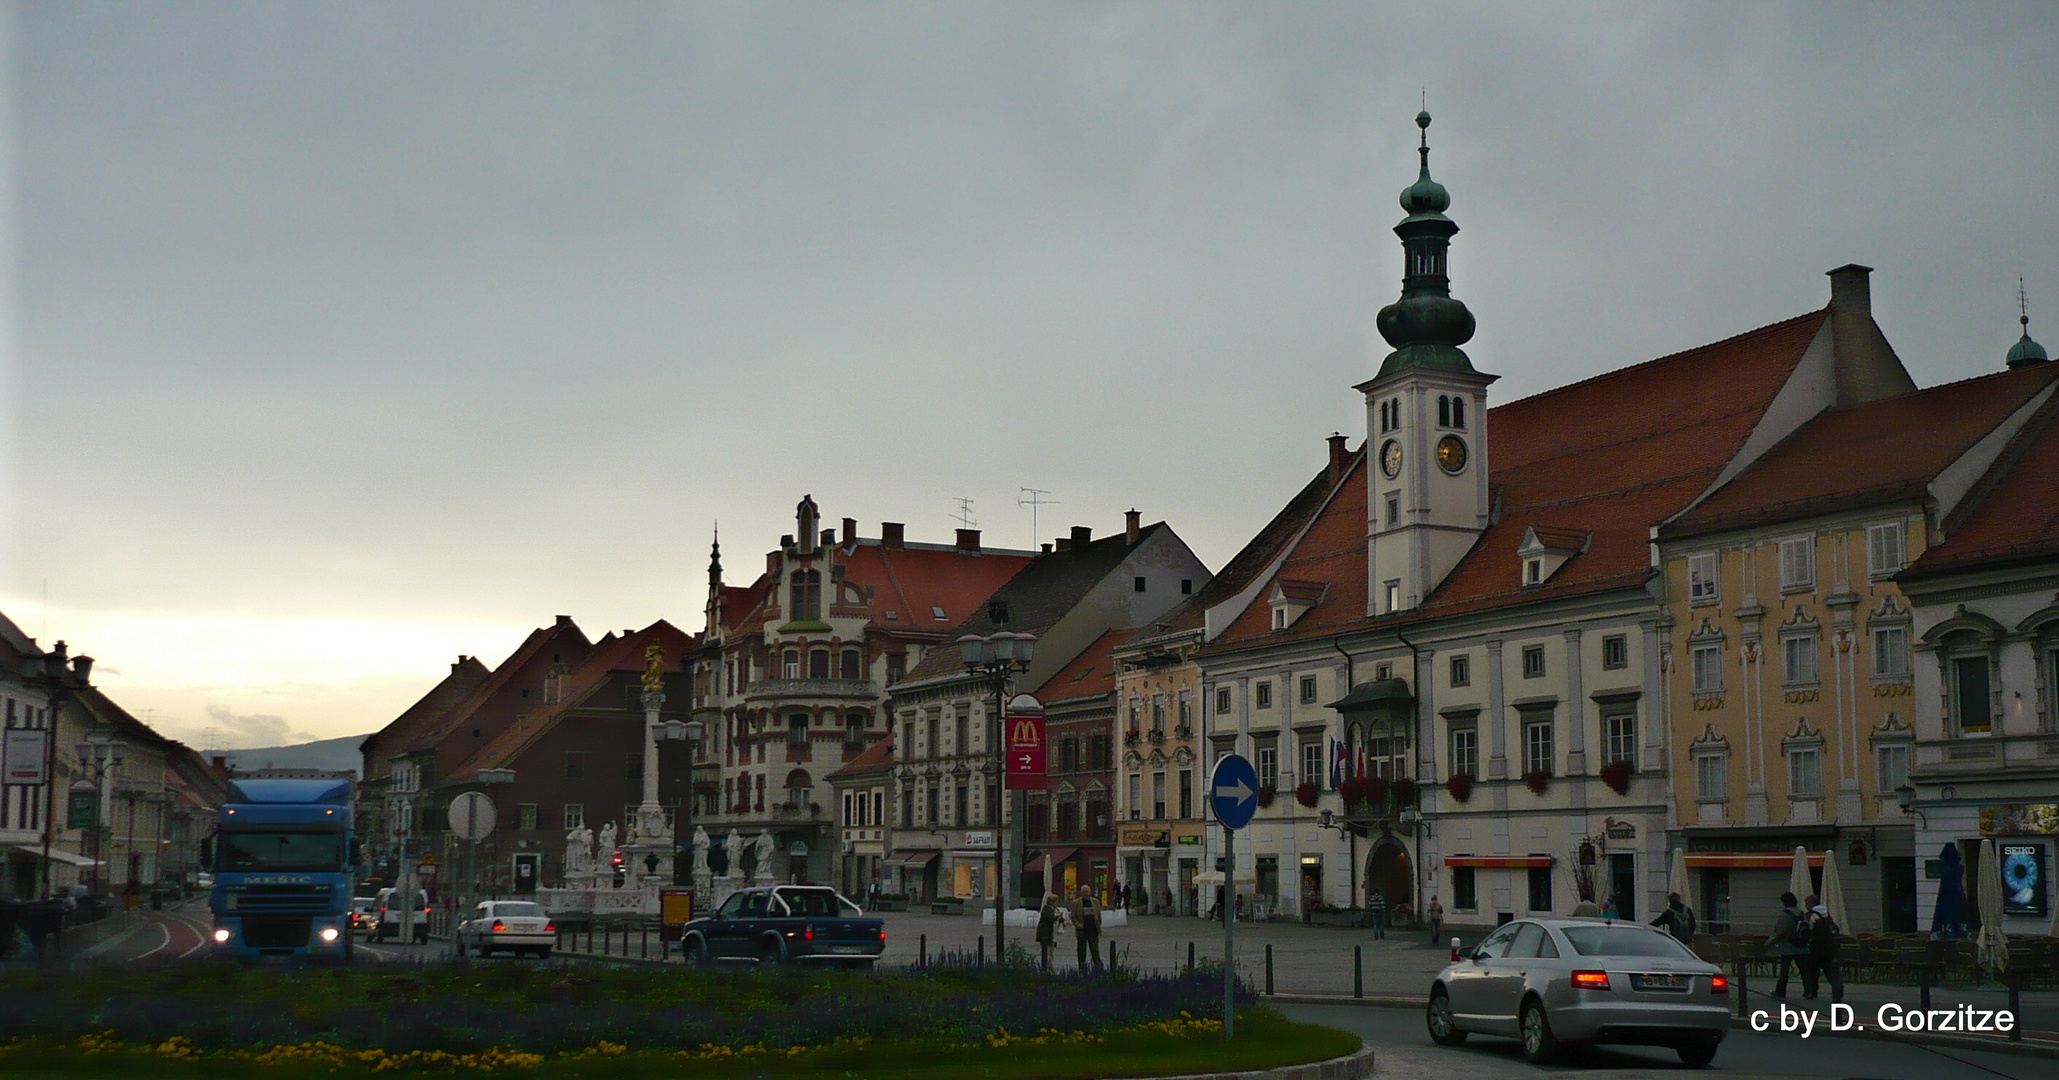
point(1391, 873)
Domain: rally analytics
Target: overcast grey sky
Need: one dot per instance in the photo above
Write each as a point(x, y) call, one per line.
point(348, 337)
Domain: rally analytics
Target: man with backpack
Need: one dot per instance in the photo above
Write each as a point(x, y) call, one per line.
point(1789, 941)
point(1677, 919)
point(1822, 960)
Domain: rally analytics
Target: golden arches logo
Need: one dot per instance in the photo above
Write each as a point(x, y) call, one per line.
point(1025, 733)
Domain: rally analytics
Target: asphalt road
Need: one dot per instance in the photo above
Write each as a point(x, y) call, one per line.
point(1404, 1051)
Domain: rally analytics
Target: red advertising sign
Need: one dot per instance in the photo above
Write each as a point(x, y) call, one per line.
point(1024, 723)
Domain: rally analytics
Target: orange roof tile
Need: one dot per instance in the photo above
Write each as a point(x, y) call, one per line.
point(1090, 674)
point(915, 582)
point(877, 758)
point(2012, 514)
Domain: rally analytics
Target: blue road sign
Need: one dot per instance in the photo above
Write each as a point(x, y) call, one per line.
point(1233, 791)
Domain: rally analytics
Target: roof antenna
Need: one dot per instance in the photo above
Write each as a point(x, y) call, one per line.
point(1029, 497)
point(964, 514)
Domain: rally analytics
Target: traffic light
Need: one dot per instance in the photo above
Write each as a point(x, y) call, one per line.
point(621, 864)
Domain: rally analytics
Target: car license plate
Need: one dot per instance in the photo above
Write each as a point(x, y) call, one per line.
point(1659, 982)
point(843, 948)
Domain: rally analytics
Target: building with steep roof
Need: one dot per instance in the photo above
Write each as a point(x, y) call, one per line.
point(1069, 827)
point(861, 791)
point(1459, 655)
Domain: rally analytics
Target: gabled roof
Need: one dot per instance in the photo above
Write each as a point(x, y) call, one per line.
point(1877, 452)
point(1090, 674)
point(1333, 550)
point(16, 641)
point(742, 605)
point(915, 581)
point(1556, 539)
point(108, 714)
point(876, 760)
point(465, 677)
point(1039, 595)
point(2012, 514)
point(563, 633)
point(623, 654)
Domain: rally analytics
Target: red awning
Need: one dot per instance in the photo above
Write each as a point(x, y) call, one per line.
point(1043, 860)
point(1747, 860)
point(913, 858)
point(1498, 862)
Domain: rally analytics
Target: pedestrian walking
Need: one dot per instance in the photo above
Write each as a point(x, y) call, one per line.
point(1086, 926)
point(1678, 919)
point(1047, 929)
point(1824, 935)
point(1789, 940)
point(871, 896)
point(1376, 909)
point(1125, 896)
point(1434, 915)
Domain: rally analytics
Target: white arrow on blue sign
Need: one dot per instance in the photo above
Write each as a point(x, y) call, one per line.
point(1233, 791)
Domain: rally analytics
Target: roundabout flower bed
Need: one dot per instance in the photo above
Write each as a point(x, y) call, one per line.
point(215, 1022)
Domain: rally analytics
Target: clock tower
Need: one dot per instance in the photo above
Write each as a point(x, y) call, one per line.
point(1426, 416)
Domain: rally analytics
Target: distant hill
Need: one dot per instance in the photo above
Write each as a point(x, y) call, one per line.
point(325, 754)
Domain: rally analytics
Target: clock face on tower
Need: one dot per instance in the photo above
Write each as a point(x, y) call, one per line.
point(1390, 459)
point(1451, 454)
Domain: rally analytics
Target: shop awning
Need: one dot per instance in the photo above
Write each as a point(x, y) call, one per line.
point(1043, 860)
point(58, 855)
point(1498, 862)
point(1747, 860)
point(913, 858)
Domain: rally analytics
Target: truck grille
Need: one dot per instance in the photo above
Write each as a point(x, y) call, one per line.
point(282, 899)
point(276, 931)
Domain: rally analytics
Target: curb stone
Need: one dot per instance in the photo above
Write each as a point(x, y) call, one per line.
point(2038, 1045)
point(1353, 1066)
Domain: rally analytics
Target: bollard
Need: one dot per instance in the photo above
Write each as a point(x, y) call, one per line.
point(1111, 956)
point(646, 945)
point(1268, 969)
point(1358, 971)
point(1923, 985)
point(2016, 1006)
point(1739, 970)
point(1190, 958)
point(589, 938)
point(922, 952)
point(979, 958)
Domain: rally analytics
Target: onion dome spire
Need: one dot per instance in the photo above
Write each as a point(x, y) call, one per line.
point(1426, 326)
point(2025, 352)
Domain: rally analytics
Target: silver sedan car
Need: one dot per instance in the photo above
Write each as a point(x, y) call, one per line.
point(1556, 982)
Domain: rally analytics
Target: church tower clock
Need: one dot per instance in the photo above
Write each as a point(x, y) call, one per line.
point(1426, 416)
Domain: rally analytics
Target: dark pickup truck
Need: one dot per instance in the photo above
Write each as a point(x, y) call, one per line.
point(786, 924)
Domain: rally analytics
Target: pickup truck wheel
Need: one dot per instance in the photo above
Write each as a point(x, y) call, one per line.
point(772, 952)
point(694, 951)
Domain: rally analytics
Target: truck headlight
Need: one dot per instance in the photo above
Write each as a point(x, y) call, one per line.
point(221, 935)
point(328, 933)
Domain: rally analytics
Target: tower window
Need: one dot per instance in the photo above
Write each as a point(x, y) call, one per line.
point(1458, 412)
point(1393, 596)
point(1393, 509)
point(1443, 410)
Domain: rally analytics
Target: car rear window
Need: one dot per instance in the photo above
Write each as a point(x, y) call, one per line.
point(518, 910)
point(1624, 941)
point(819, 903)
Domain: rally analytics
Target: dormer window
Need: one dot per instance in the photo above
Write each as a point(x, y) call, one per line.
point(1545, 548)
point(1290, 600)
point(1533, 571)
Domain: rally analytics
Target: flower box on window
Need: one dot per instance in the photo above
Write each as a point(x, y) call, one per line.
point(1305, 794)
point(1536, 780)
point(1616, 774)
point(1460, 786)
point(1265, 796)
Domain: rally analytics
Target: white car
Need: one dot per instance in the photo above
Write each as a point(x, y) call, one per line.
point(514, 926)
point(392, 916)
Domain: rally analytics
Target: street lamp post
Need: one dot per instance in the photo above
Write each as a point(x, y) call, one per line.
point(997, 658)
point(99, 757)
point(688, 732)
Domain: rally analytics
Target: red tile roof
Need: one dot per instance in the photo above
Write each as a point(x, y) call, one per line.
point(1090, 674)
point(465, 677)
point(877, 758)
point(564, 634)
point(1611, 456)
point(1866, 454)
point(2012, 514)
point(912, 582)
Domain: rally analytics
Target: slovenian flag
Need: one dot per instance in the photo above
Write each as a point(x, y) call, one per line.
point(1340, 764)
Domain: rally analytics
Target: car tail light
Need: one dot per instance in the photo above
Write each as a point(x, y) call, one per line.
point(882, 933)
point(499, 927)
point(1719, 985)
point(550, 928)
point(808, 933)
point(1591, 980)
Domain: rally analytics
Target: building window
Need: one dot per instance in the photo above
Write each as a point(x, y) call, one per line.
point(1383, 672)
point(1804, 772)
point(526, 813)
point(1533, 661)
point(790, 664)
point(961, 806)
point(1312, 764)
point(1393, 596)
point(1711, 777)
point(1701, 578)
point(1622, 737)
point(934, 793)
point(797, 730)
point(1707, 661)
point(1465, 752)
point(1463, 895)
point(818, 663)
point(806, 589)
point(1222, 701)
point(1533, 571)
point(1393, 509)
point(1891, 651)
point(575, 815)
point(1884, 554)
point(1136, 789)
point(575, 764)
point(1443, 410)
point(1798, 563)
point(1798, 660)
point(1186, 794)
point(1186, 586)
point(1540, 888)
point(1615, 651)
point(1970, 706)
point(1268, 767)
point(1264, 694)
point(1537, 755)
point(897, 666)
point(854, 665)
point(1186, 712)
point(962, 745)
point(1893, 762)
point(1157, 713)
point(1308, 689)
point(1158, 796)
point(908, 807)
point(1462, 670)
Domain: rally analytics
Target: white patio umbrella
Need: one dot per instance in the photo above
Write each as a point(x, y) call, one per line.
point(1798, 876)
point(1993, 944)
point(1676, 878)
point(1834, 893)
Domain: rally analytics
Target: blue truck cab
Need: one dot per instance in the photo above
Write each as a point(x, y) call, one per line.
point(285, 870)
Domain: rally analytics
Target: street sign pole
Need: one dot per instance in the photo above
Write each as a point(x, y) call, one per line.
point(1232, 795)
point(1229, 934)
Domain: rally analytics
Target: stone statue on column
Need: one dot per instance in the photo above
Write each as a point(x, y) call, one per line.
point(735, 853)
point(699, 868)
point(578, 854)
point(762, 847)
point(607, 846)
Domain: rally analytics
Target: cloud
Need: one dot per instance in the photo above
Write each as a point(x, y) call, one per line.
point(235, 730)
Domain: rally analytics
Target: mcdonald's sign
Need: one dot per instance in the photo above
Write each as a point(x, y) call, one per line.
point(1024, 722)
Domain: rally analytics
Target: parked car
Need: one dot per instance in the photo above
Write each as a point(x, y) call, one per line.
point(391, 916)
point(514, 926)
point(786, 924)
point(364, 913)
point(1552, 983)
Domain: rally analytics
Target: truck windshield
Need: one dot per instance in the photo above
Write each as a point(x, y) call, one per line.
point(281, 850)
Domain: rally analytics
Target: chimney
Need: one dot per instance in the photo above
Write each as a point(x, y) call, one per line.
point(1132, 526)
point(890, 534)
point(221, 764)
point(850, 529)
point(1082, 535)
point(1063, 543)
point(458, 663)
point(1867, 368)
point(828, 538)
point(564, 620)
point(772, 558)
point(1339, 456)
point(968, 539)
point(1047, 547)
